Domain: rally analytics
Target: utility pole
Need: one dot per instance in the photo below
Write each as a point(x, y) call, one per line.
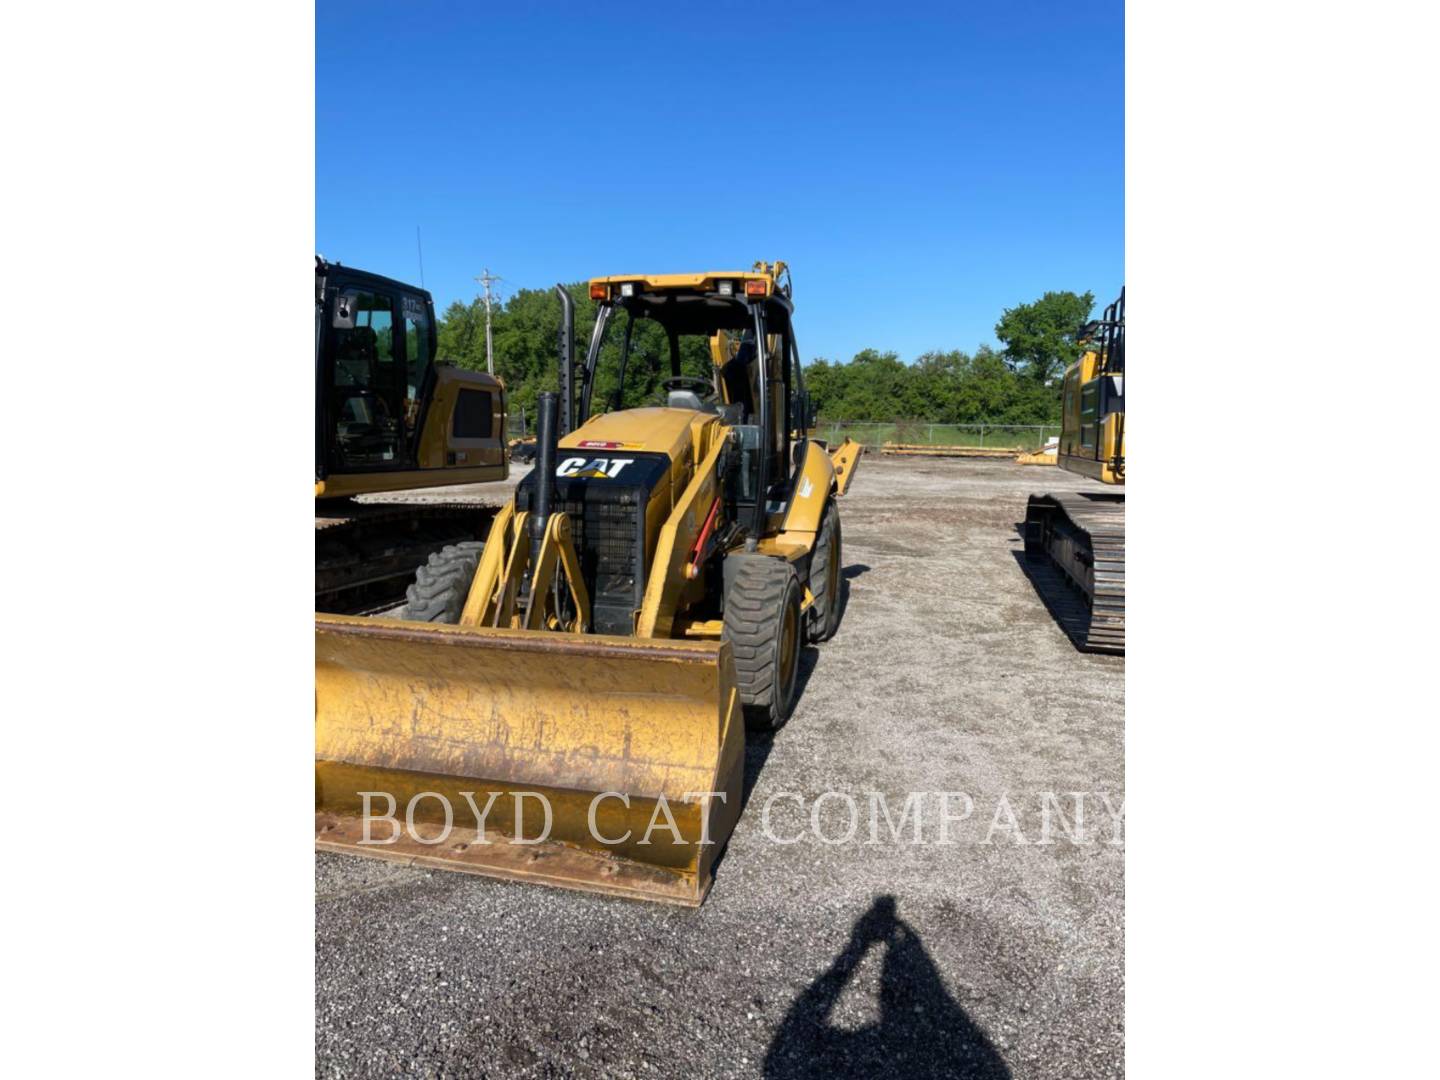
point(487, 280)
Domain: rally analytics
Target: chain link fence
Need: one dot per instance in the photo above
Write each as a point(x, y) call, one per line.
point(920, 433)
point(904, 432)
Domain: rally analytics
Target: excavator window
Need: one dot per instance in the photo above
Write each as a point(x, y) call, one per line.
point(367, 395)
point(1089, 414)
point(417, 361)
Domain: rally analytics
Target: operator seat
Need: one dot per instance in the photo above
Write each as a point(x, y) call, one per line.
point(688, 399)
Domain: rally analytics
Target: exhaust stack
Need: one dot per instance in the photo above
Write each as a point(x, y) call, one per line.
point(567, 361)
point(545, 440)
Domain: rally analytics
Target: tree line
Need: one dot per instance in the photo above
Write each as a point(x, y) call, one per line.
point(1018, 383)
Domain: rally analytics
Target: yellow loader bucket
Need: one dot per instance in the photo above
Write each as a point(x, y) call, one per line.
point(608, 764)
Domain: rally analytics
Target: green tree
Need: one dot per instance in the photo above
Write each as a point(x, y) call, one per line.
point(525, 328)
point(949, 387)
point(1039, 337)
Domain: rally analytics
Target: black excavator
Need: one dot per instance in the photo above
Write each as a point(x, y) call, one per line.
point(391, 418)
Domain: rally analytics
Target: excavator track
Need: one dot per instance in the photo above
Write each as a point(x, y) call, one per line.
point(366, 554)
point(1075, 545)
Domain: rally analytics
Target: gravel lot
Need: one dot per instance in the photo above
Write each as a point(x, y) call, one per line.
point(810, 958)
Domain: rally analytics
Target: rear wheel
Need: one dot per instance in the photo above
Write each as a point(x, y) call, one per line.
point(763, 625)
point(825, 578)
point(442, 584)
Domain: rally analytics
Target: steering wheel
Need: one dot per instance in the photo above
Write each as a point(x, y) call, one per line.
point(703, 387)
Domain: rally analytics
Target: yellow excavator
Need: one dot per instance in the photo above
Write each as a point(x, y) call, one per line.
point(1077, 540)
point(567, 701)
point(389, 417)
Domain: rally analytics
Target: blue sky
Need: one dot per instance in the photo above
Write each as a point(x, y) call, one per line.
point(920, 166)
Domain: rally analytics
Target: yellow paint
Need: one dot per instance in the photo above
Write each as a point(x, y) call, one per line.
point(504, 703)
point(344, 485)
point(657, 429)
point(702, 628)
point(707, 281)
point(557, 552)
point(409, 707)
point(667, 589)
point(438, 440)
point(812, 494)
point(1039, 457)
point(476, 461)
point(791, 549)
point(1096, 450)
point(846, 459)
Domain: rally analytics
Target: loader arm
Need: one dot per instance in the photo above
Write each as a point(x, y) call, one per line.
point(846, 458)
point(668, 582)
point(557, 552)
point(506, 564)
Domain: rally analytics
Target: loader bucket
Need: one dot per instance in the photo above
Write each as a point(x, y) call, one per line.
point(620, 738)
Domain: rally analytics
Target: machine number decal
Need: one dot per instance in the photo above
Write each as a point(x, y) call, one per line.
point(601, 444)
point(593, 468)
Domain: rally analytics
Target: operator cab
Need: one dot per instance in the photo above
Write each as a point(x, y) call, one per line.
point(375, 354)
point(728, 341)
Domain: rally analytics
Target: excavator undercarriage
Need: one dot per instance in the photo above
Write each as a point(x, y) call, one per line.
point(1075, 541)
point(390, 418)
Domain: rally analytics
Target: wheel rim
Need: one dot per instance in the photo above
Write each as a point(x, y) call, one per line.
point(789, 638)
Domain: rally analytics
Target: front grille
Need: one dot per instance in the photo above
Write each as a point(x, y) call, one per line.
point(607, 517)
point(605, 539)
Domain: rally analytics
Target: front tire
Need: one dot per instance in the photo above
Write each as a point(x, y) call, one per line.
point(825, 578)
point(764, 626)
point(442, 584)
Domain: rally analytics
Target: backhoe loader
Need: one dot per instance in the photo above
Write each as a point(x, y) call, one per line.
point(389, 417)
point(567, 701)
point(1082, 535)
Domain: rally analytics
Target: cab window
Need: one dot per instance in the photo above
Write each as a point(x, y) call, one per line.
point(367, 400)
point(418, 341)
point(1089, 413)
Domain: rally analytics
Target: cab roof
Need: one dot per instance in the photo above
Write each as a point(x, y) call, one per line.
point(707, 281)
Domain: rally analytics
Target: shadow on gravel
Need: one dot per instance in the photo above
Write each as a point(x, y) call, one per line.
point(847, 575)
point(757, 751)
point(1065, 603)
point(758, 746)
point(922, 1032)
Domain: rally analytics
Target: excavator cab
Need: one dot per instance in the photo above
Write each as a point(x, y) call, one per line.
point(388, 415)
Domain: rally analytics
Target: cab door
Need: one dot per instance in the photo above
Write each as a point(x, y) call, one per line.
point(417, 342)
point(366, 395)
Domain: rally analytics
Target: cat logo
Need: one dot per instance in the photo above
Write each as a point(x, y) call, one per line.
point(592, 468)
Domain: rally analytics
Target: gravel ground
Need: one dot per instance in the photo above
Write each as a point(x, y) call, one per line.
point(968, 959)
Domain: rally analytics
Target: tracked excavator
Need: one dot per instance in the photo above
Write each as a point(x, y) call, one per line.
point(388, 418)
point(1075, 542)
point(567, 700)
